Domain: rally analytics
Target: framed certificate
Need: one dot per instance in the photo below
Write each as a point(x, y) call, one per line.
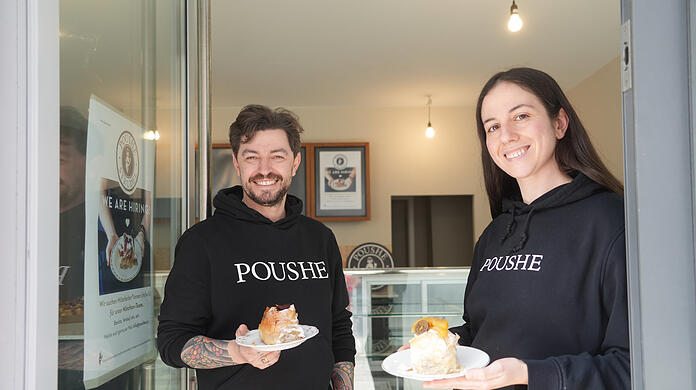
point(341, 181)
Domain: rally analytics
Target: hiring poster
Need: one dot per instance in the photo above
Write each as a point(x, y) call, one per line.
point(118, 302)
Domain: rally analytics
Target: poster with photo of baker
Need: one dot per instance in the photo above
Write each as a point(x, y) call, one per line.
point(341, 181)
point(118, 281)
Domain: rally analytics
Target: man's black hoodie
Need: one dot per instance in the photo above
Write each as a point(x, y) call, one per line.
point(233, 265)
point(548, 286)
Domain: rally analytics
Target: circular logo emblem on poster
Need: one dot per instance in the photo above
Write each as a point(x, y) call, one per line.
point(370, 255)
point(127, 163)
point(340, 161)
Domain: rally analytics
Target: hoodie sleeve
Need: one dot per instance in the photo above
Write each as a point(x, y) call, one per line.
point(343, 342)
point(464, 331)
point(185, 311)
point(609, 367)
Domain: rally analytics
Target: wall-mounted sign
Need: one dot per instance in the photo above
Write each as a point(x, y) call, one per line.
point(370, 255)
point(341, 181)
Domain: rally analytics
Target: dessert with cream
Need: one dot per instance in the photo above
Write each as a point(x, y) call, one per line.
point(433, 348)
point(280, 325)
point(126, 253)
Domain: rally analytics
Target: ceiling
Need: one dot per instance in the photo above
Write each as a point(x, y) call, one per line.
point(395, 52)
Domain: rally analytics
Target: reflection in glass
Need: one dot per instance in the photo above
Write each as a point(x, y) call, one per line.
point(129, 55)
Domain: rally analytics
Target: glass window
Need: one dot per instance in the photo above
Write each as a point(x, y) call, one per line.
point(121, 154)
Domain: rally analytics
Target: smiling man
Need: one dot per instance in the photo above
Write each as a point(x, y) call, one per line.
point(256, 251)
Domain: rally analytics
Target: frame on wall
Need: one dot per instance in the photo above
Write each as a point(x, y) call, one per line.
point(223, 174)
point(341, 184)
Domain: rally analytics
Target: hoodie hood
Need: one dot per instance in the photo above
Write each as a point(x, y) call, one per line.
point(228, 201)
point(513, 209)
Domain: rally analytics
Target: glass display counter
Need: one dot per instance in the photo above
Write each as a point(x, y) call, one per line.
point(386, 302)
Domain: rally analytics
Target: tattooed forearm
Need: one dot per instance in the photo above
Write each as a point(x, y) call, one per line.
point(204, 352)
point(342, 376)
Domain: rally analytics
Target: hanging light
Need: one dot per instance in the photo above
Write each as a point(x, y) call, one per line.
point(429, 131)
point(515, 22)
point(152, 135)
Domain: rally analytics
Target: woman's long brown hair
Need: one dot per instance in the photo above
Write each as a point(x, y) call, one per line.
point(574, 152)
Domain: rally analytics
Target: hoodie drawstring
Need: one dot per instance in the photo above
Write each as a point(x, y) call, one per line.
point(523, 238)
point(508, 227)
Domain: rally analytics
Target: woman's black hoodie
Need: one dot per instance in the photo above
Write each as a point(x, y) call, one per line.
point(548, 286)
point(233, 265)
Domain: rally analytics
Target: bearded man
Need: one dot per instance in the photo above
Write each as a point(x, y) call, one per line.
point(257, 250)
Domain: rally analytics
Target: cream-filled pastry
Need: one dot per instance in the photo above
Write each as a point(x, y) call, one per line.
point(433, 348)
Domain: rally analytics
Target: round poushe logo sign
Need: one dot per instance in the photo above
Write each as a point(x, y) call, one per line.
point(370, 255)
point(127, 162)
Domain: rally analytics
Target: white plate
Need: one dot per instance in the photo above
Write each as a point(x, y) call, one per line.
point(399, 364)
point(253, 340)
point(125, 274)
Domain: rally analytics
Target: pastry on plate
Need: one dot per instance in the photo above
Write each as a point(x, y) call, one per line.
point(280, 325)
point(434, 347)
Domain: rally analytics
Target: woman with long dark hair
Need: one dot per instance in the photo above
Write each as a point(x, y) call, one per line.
point(546, 296)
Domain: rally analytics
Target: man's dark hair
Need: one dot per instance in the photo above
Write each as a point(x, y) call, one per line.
point(73, 126)
point(255, 117)
point(574, 152)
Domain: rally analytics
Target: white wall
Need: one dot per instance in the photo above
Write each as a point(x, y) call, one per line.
point(597, 100)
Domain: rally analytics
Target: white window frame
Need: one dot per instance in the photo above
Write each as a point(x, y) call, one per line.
point(29, 108)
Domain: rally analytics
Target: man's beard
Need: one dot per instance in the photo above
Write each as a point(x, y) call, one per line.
point(267, 197)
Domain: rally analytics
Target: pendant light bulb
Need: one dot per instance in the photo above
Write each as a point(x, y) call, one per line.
point(152, 135)
point(515, 22)
point(429, 131)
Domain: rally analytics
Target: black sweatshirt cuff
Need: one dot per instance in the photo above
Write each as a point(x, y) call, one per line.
point(175, 351)
point(344, 355)
point(543, 375)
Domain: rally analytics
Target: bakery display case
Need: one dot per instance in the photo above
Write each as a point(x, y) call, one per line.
point(386, 302)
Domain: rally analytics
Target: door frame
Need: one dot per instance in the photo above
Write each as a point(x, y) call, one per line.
point(659, 184)
point(29, 106)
